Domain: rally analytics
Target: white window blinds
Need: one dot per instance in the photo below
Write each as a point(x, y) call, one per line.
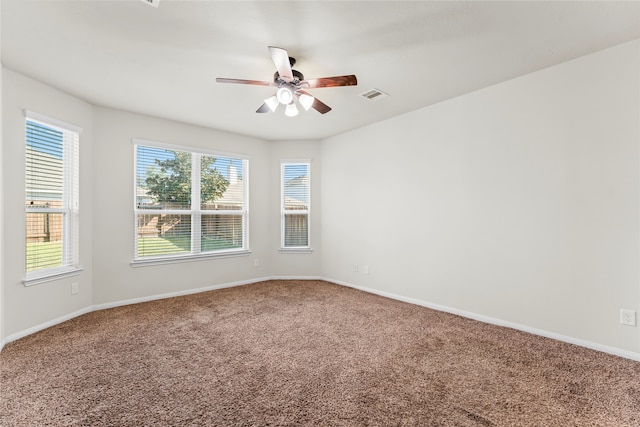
point(295, 204)
point(189, 203)
point(51, 195)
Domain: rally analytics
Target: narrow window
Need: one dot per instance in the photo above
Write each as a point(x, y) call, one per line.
point(51, 197)
point(295, 205)
point(189, 203)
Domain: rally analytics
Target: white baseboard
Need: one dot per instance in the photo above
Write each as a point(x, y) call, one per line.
point(486, 319)
point(494, 321)
point(176, 294)
point(45, 325)
point(104, 306)
point(295, 278)
point(96, 307)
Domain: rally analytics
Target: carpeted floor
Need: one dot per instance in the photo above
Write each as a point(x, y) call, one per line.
point(305, 353)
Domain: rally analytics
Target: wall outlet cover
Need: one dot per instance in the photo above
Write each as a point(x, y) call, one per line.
point(627, 317)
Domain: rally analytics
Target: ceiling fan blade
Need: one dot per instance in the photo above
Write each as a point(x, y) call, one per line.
point(244, 82)
point(317, 105)
point(320, 106)
point(264, 108)
point(349, 80)
point(281, 60)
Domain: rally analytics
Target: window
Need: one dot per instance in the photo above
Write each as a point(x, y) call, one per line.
point(295, 204)
point(51, 197)
point(188, 203)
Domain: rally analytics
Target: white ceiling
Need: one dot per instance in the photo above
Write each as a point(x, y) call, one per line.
point(163, 62)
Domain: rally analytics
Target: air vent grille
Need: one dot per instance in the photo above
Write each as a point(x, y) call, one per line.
point(374, 94)
point(153, 3)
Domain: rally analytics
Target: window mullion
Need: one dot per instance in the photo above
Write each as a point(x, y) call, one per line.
point(196, 215)
point(245, 204)
point(67, 161)
point(45, 210)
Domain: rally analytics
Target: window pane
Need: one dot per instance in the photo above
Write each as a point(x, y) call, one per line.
point(296, 230)
point(44, 166)
point(163, 179)
point(159, 234)
point(221, 183)
point(221, 232)
point(44, 240)
point(296, 187)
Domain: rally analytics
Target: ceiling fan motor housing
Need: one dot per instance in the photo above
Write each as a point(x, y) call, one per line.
point(297, 78)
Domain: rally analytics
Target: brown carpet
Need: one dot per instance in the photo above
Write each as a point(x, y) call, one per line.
point(305, 353)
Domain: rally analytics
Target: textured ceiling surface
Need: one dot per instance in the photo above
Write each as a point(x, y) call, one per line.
point(163, 61)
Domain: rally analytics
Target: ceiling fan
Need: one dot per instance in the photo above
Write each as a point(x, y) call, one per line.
point(291, 86)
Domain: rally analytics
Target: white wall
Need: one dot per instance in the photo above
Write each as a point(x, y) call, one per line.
point(287, 264)
point(519, 202)
point(27, 307)
point(114, 278)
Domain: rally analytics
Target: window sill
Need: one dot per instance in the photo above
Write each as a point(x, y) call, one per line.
point(295, 250)
point(161, 260)
point(57, 274)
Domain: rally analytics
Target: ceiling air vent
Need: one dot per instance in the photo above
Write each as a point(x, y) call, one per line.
point(374, 94)
point(153, 3)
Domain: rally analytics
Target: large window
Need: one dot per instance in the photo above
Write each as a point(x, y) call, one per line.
point(188, 203)
point(295, 204)
point(51, 197)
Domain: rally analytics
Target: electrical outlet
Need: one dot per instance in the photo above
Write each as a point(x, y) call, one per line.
point(627, 317)
point(256, 262)
point(365, 269)
point(74, 288)
point(356, 268)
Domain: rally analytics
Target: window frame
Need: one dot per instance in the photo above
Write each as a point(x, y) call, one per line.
point(195, 210)
point(70, 201)
point(284, 212)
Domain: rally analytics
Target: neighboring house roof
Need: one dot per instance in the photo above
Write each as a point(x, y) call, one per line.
point(296, 193)
point(233, 197)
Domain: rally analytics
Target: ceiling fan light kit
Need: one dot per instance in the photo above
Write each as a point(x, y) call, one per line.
point(291, 110)
point(284, 95)
point(291, 85)
point(306, 101)
point(272, 102)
